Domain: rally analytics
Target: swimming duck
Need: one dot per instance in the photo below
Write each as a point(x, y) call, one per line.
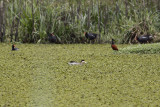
point(114, 47)
point(13, 48)
point(77, 63)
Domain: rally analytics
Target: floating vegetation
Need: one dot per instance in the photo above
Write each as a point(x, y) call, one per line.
point(39, 75)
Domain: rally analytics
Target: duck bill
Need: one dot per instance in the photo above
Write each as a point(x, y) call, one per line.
point(84, 62)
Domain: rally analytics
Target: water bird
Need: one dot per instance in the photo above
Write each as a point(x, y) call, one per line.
point(90, 36)
point(144, 39)
point(114, 47)
point(77, 63)
point(53, 38)
point(14, 48)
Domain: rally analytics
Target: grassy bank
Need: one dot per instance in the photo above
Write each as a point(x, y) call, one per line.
point(142, 49)
point(38, 75)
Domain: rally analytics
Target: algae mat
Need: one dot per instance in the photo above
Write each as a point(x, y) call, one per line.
point(38, 76)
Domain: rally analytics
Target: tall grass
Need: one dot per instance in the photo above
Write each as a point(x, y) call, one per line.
point(33, 20)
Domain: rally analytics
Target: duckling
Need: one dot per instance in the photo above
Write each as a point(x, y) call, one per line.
point(13, 48)
point(77, 63)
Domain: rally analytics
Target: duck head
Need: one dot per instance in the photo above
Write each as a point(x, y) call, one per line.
point(83, 62)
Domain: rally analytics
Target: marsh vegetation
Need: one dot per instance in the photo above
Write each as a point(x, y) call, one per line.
point(39, 75)
point(31, 21)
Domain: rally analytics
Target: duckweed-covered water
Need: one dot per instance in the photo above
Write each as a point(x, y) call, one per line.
point(39, 76)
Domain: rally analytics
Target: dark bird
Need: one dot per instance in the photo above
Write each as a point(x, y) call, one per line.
point(144, 39)
point(53, 39)
point(90, 36)
point(1, 36)
point(114, 47)
point(13, 48)
point(77, 63)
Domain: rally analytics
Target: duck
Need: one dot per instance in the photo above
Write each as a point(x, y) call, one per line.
point(90, 36)
point(113, 46)
point(77, 63)
point(13, 48)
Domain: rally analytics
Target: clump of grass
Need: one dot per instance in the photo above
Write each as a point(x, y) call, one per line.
point(142, 49)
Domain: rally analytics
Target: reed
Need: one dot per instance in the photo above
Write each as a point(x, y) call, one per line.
point(31, 21)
